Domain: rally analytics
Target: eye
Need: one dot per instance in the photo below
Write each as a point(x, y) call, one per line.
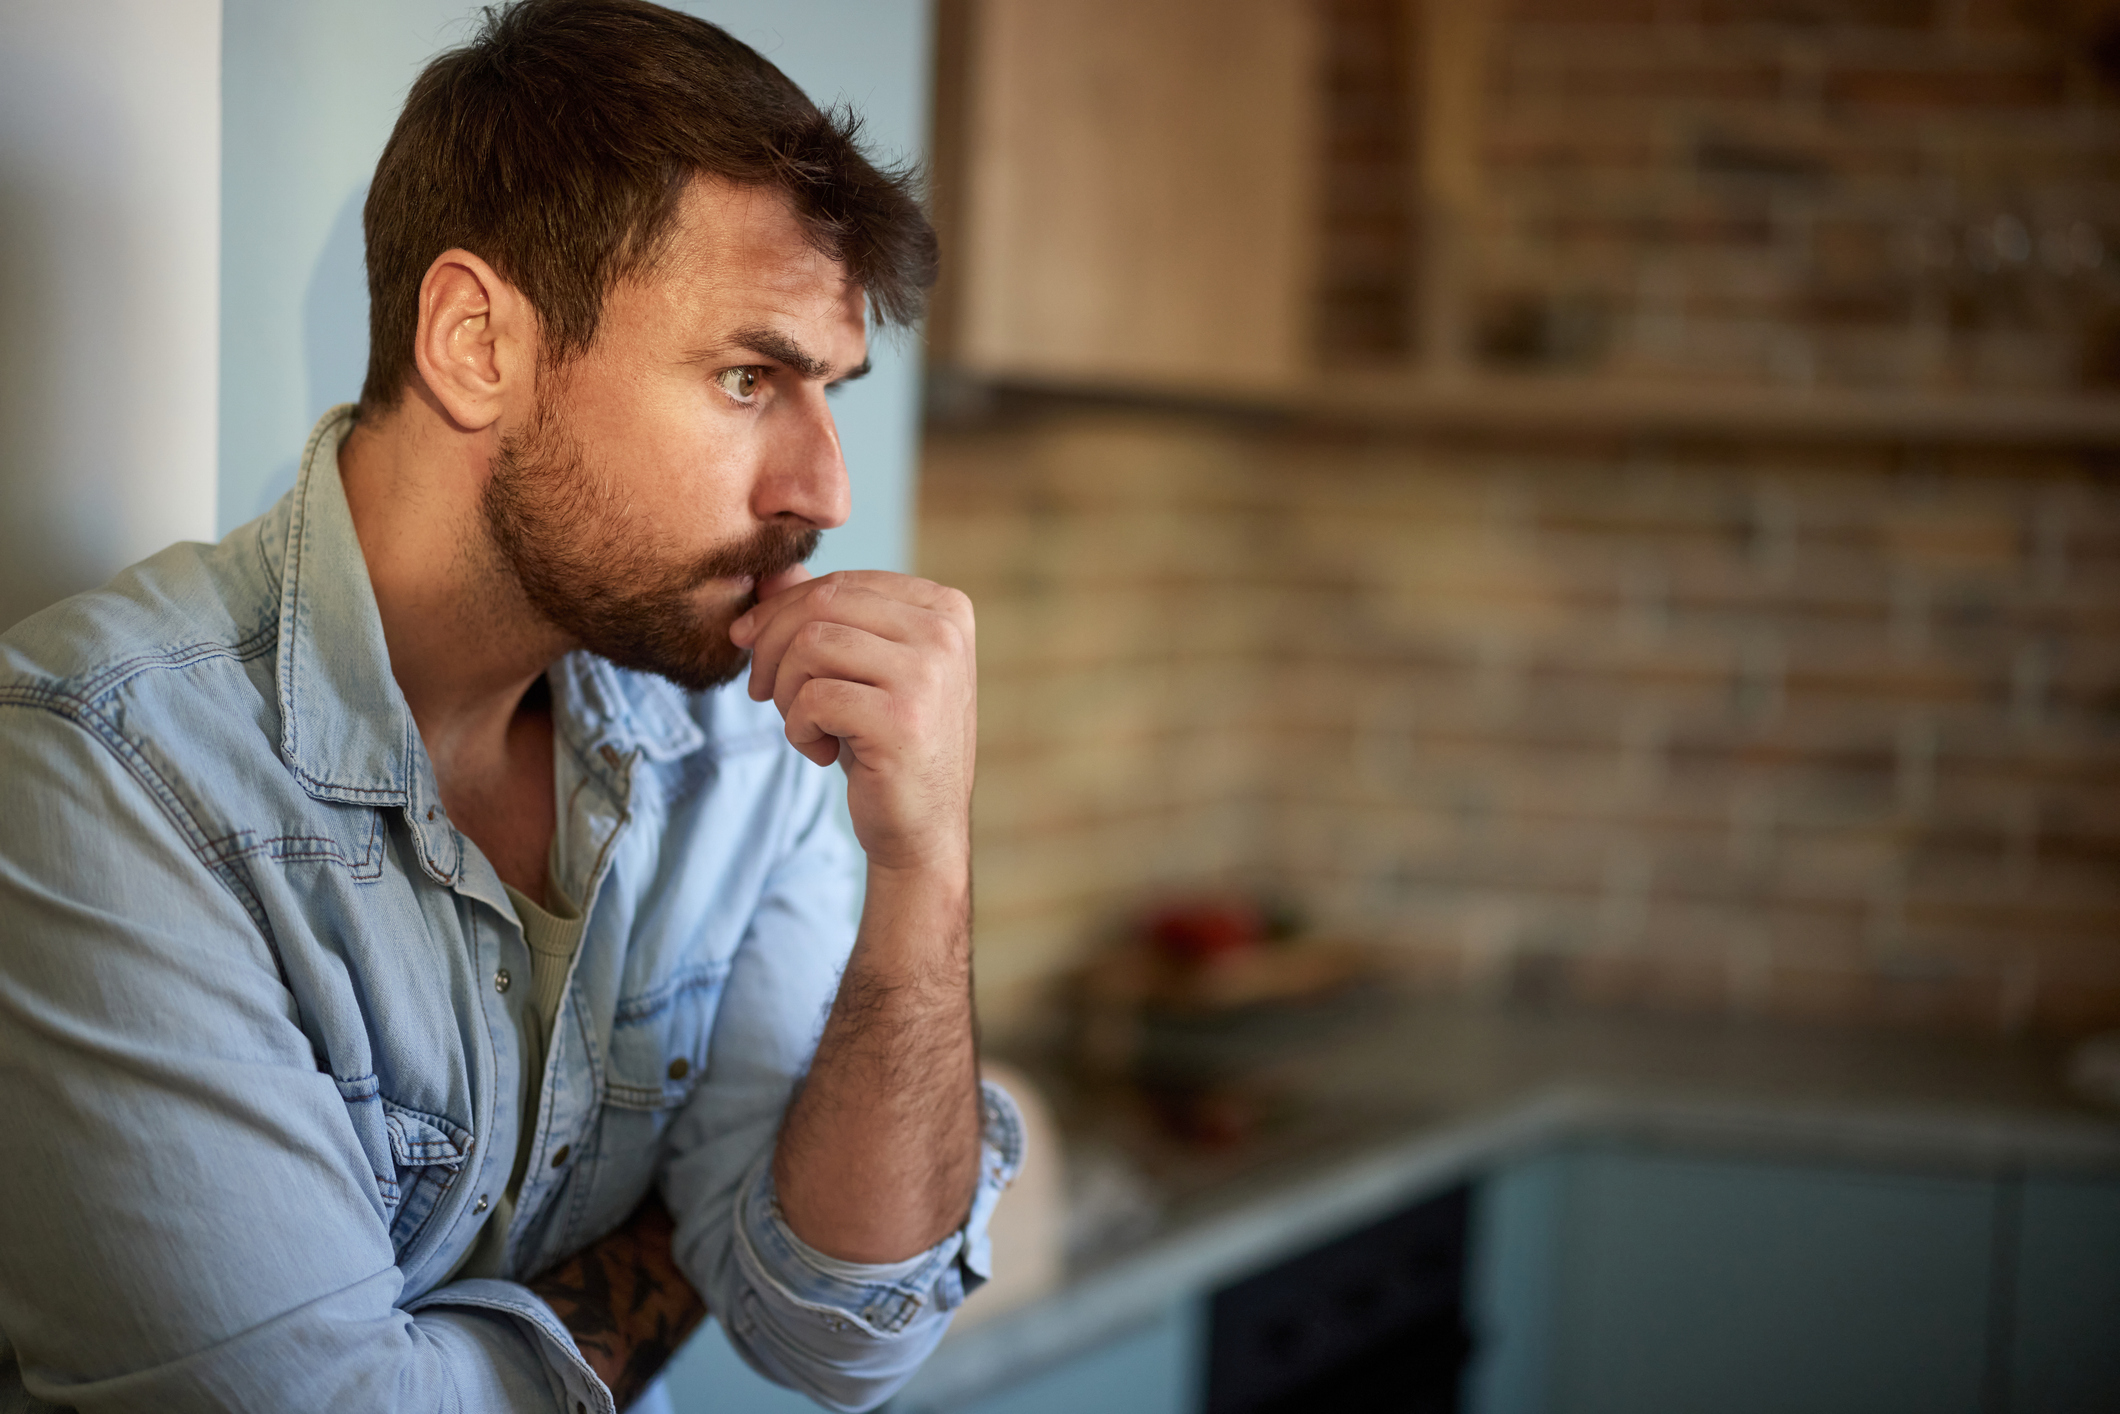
point(740, 383)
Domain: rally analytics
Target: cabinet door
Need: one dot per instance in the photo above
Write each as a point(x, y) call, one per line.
point(709, 1377)
point(2065, 1357)
point(1707, 1285)
point(1681, 1284)
point(1155, 1370)
point(1134, 203)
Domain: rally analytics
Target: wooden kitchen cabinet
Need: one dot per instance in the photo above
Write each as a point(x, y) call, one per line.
point(1414, 213)
point(1125, 191)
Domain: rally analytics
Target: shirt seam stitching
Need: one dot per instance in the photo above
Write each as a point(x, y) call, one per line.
point(87, 691)
point(96, 724)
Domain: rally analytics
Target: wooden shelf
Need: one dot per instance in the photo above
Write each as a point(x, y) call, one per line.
point(1593, 404)
point(1588, 405)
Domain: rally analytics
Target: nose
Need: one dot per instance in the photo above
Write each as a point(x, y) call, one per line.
point(806, 471)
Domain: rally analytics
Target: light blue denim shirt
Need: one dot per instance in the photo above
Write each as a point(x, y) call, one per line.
point(258, 1047)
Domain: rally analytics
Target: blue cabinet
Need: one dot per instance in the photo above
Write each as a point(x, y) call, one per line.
point(2064, 1308)
point(1755, 1288)
point(1608, 1280)
point(709, 1377)
point(1155, 1370)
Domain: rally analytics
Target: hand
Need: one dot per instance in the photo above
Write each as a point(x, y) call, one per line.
point(878, 672)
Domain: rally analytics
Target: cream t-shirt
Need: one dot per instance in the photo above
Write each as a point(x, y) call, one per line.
point(554, 937)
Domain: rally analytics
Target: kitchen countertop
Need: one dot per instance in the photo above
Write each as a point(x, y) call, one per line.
point(1370, 1109)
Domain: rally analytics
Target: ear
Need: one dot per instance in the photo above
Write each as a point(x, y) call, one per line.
point(476, 344)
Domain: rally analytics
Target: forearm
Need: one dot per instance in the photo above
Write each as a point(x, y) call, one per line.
point(879, 1154)
point(625, 1302)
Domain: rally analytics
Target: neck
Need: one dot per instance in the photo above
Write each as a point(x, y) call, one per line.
point(465, 644)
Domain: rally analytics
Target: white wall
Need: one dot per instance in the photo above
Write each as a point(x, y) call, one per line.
point(312, 87)
point(109, 224)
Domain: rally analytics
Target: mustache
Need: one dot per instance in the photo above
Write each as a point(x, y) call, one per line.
point(771, 549)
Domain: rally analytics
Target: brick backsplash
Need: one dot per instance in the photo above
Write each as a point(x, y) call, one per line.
point(1799, 729)
point(1806, 731)
point(1905, 195)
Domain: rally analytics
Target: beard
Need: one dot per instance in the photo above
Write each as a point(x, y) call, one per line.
point(561, 528)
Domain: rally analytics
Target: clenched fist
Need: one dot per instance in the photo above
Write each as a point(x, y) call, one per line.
point(879, 672)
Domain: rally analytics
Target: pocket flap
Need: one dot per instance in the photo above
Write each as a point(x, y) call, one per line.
point(417, 1138)
point(659, 1041)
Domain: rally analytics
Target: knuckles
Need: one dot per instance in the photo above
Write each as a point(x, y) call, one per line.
point(817, 633)
point(926, 692)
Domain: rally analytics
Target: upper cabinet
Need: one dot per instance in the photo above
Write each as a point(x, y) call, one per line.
point(1131, 190)
point(1873, 216)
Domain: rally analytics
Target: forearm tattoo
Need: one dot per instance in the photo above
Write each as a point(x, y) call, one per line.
point(626, 1303)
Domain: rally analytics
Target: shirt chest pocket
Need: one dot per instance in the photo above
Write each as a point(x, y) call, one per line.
point(417, 1157)
point(659, 1040)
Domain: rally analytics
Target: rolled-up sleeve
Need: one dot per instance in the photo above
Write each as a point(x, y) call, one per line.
point(846, 1335)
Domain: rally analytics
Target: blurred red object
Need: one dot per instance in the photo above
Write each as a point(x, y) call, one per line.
point(1206, 929)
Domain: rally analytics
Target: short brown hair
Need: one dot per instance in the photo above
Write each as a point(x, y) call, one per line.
point(557, 144)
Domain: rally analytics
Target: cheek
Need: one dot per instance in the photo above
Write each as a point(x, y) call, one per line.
point(700, 488)
point(677, 464)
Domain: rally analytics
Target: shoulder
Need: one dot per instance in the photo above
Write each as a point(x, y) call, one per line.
point(164, 674)
point(187, 605)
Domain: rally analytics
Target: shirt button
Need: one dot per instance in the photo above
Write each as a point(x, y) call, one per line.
point(680, 1068)
point(480, 1206)
point(561, 1157)
point(500, 980)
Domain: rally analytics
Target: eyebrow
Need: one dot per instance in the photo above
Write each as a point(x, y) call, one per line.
point(782, 349)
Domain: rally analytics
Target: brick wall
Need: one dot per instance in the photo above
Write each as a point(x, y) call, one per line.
point(1827, 733)
point(1798, 729)
point(1904, 194)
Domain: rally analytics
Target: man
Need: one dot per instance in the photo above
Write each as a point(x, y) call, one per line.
point(421, 980)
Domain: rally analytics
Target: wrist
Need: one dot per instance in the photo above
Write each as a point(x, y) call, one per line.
point(918, 915)
point(931, 899)
point(944, 869)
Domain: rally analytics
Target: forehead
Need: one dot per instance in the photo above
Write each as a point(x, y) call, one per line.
point(738, 254)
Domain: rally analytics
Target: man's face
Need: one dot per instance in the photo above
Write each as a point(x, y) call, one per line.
point(689, 454)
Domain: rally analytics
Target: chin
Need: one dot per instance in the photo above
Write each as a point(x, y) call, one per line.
point(689, 647)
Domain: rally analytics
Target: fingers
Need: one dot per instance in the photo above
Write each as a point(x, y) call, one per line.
point(824, 649)
point(822, 601)
point(782, 594)
point(879, 673)
point(891, 608)
point(830, 714)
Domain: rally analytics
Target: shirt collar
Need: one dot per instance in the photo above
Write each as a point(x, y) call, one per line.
point(600, 705)
point(345, 729)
